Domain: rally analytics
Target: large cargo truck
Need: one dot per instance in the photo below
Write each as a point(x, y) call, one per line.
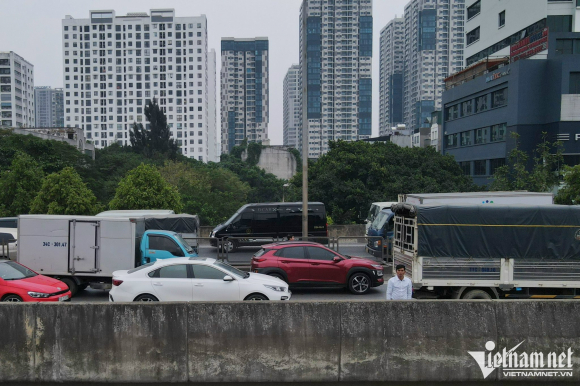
point(85, 250)
point(489, 251)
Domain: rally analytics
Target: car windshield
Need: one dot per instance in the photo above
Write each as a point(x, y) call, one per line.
point(14, 271)
point(185, 244)
point(231, 269)
point(381, 219)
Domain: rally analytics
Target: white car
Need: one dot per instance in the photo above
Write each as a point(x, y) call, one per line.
point(185, 279)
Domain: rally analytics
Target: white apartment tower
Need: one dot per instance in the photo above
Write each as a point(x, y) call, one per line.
point(114, 65)
point(49, 106)
point(336, 38)
point(392, 65)
point(434, 44)
point(292, 118)
point(244, 91)
point(16, 91)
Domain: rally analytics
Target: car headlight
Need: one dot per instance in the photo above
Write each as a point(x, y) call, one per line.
point(377, 266)
point(211, 234)
point(38, 295)
point(275, 288)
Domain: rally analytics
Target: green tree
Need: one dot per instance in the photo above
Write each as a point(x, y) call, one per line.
point(264, 187)
point(210, 191)
point(517, 174)
point(144, 188)
point(155, 142)
point(65, 193)
point(19, 185)
point(570, 193)
point(110, 166)
point(352, 175)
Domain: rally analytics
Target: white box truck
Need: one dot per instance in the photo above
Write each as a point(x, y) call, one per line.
point(86, 250)
point(501, 198)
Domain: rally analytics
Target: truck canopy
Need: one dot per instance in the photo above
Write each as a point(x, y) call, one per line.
point(178, 223)
point(549, 232)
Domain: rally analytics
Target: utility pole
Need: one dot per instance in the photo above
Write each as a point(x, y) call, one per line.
point(304, 74)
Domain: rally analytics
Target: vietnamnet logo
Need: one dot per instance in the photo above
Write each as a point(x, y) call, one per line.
point(513, 364)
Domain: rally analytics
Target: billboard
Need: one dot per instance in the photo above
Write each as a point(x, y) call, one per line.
point(529, 46)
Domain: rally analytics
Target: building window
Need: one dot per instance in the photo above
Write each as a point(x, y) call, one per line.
point(494, 164)
point(499, 98)
point(560, 23)
point(467, 108)
point(481, 135)
point(472, 36)
point(465, 167)
point(474, 10)
point(498, 132)
point(479, 168)
point(564, 46)
point(451, 141)
point(501, 19)
point(466, 138)
point(574, 83)
point(481, 104)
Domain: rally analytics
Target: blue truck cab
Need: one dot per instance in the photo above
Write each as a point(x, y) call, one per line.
point(157, 244)
point(382, 226)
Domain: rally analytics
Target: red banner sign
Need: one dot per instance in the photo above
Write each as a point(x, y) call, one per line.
point(529, 46)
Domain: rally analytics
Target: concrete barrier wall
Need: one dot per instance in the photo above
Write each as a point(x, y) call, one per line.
point(345, 342)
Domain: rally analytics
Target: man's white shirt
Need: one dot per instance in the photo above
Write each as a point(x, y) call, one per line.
point(399, 289)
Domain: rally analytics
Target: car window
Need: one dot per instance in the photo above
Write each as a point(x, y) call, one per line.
point(316, 253)
point(14, 271)
point(205, 272)
point(162, 243)
point(230, 269)
point(178, 271)
point(293, 253)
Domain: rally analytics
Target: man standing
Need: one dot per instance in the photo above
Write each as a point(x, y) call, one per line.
point(399, 287)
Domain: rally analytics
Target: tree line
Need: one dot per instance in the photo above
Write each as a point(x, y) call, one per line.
point(52, 177)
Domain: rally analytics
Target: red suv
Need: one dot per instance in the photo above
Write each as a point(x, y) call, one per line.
point(302, 263)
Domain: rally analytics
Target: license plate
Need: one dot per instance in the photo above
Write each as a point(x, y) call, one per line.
point(63, 299)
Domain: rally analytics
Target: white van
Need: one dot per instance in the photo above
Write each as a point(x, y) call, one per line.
point(376, 207)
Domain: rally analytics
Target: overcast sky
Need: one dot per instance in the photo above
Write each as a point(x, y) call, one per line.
point(31, 28)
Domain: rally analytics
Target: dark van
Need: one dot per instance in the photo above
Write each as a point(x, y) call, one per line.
point(257, 224)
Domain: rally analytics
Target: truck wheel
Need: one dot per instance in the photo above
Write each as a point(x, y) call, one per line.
point(359, 283)
point(71, 284)
point(476, 294)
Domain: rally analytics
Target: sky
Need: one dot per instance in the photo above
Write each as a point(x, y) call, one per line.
point(32, 29)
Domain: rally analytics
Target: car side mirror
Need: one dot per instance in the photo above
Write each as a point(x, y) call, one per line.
point(228, 278)
point(336, 259)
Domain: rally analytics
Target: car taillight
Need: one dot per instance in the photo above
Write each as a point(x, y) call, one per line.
point(259, 259)
point(117, 282)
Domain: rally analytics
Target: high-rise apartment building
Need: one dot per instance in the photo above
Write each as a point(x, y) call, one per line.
point(244, 91)
point(16, 91)
point(392, 65)
point(49, 106)
point(336, 39)
point(114, 65)
point(292, 117)
point(433, 47)
point(214, 145)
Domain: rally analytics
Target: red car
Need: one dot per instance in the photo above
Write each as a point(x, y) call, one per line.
point(21, 284)
point(311, 264)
